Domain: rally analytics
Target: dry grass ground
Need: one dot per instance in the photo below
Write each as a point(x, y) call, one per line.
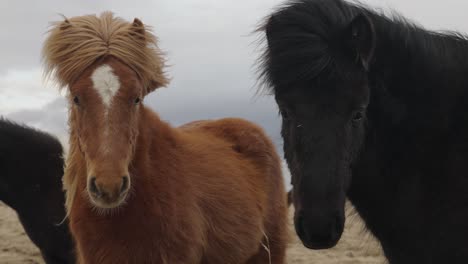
point(356, 246)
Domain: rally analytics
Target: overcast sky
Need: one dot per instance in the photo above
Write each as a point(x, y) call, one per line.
point(209, 47)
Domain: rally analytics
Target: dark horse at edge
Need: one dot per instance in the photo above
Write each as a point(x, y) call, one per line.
point(31, 165)
point(374, 108)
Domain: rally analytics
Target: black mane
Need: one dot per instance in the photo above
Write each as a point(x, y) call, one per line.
point(302, 36)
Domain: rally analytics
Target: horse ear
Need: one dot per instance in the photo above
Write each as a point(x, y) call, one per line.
point(138, 29)
point(153, 85)
point(361, 36)
point(65, 24)
point(160, 81)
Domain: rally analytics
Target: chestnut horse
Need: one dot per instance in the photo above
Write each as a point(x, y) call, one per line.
point(141, 191)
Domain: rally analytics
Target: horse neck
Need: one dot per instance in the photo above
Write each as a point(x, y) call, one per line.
point(418, 83)
point(416, 74)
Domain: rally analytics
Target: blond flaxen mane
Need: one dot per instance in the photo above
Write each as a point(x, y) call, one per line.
point(76, 43)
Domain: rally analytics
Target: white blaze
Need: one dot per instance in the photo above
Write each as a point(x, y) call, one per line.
point(106, 83)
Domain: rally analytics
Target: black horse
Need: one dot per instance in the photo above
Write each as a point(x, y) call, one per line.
point(31, 167)
point(374, 108)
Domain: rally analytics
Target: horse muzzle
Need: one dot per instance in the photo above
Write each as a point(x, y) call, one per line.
point(318, 231)
point(108, 193)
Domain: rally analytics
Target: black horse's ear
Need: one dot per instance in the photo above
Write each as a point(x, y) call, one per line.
point(361, 36)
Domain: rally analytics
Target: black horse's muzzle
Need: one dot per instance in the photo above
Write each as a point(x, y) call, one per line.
point(319, 231)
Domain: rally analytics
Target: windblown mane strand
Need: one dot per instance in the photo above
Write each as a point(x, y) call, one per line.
point(75, 44)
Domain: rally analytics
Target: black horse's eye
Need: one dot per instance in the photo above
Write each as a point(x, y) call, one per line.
point(137, 100)
point(76, 100)
point(358, 116)
point(284, 113)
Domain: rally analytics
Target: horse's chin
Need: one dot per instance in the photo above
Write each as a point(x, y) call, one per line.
point(318, 230)
point(320, 246)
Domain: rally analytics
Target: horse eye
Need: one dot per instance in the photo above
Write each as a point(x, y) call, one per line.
point(284, 113)
point(76, 100)
point(358, 116)
point(137, 100)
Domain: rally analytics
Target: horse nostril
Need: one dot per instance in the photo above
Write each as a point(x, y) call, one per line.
point(93, 187)
point(124, 184)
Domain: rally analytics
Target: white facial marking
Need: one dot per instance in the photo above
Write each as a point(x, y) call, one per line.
point(106, 83)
